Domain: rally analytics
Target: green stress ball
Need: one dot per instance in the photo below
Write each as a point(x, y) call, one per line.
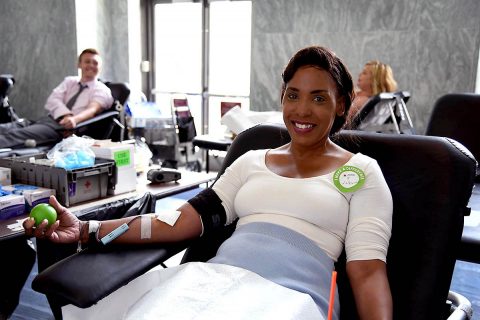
point(43, 211)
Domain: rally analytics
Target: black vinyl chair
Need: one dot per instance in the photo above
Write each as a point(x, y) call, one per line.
point(457, 116)
point(430, 198)
point(186, 130)
point(208, 142)
point(7, 113)
point(6, 83)
point(109, 124)
point(386, 113)
point(184, 119)
point(403, 116)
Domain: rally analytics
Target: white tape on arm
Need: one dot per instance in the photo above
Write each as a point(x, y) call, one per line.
point(146, 226)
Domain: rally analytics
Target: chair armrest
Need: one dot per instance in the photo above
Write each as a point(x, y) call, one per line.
point(86, 277)
point(462, 308)
point(211, 142)
point(101, 116)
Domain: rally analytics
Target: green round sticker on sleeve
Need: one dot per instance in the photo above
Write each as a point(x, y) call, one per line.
point(348, 178)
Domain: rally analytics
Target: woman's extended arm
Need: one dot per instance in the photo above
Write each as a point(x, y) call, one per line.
point(68, 228)
point(371, 290)
point(188, 226)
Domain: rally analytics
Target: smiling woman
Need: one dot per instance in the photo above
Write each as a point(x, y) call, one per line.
point(316, 210)
point(311, 94)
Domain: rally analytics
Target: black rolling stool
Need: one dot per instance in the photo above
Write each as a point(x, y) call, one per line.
point(208, 142)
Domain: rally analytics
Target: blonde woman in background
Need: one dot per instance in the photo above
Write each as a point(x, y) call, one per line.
point(375, 77)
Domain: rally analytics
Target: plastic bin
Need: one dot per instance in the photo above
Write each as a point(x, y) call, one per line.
point(71, 186)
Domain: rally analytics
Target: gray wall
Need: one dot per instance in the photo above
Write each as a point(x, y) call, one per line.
point(39, 47)
point(112, 16)
point(432, 46)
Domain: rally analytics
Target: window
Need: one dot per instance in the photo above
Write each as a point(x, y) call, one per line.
point(477, 82)
point(178, 55)
point(179, 50)
point(230, 50)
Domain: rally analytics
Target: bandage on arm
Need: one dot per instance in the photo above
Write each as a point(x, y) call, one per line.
point(169, 217)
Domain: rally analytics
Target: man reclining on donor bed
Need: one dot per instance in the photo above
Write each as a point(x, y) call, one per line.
point(73, 101)
point(294, 219)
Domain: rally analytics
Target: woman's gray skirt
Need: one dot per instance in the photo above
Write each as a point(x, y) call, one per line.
point(283, 256)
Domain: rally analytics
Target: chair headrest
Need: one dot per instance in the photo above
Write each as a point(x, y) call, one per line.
point(381, 98)
point(404, 95)
point(6, 83)
point(120, 90)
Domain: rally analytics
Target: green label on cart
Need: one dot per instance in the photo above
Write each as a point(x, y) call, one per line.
point(348, 178)
point(122, 158)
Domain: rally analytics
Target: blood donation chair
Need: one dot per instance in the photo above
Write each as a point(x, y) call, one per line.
point(186, 130)
point(386, 113)
point(7, 113)
point(430, 197)
point(456, 115)
point(109, 124)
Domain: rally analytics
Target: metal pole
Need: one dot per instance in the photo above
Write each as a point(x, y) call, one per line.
point(205, 64)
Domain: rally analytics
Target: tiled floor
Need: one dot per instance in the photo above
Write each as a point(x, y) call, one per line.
point(466, 277)
point(33, 305)
point(466, 280)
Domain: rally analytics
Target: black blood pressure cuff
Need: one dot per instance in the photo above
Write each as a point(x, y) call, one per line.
point(209, 206)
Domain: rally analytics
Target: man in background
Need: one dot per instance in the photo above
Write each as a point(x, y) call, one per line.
point(73, 101)
point(76, 99)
